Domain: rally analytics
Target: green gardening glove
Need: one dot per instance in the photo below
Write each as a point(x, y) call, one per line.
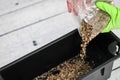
point(114, 13)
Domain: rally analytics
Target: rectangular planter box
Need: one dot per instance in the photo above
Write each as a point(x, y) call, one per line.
point(102, 50)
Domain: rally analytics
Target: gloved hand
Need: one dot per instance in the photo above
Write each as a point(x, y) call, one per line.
point(114, 13)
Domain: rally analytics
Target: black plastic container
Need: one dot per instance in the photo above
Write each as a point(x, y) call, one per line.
point(101, 50)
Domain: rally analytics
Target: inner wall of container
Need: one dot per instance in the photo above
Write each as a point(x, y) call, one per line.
point(57, 52)
point(97, 50)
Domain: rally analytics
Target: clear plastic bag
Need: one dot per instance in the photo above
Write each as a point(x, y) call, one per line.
point(86, 10)
point(95, 17)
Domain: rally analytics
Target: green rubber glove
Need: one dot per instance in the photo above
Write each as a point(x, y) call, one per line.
point(114, 13)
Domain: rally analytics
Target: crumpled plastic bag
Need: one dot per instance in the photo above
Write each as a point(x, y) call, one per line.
point(87, 11)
